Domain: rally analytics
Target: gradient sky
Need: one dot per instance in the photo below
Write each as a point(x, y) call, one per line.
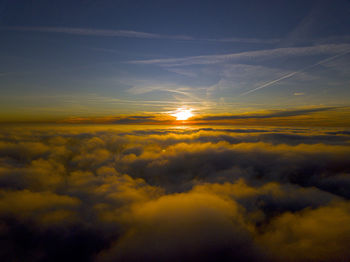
point(62, 59)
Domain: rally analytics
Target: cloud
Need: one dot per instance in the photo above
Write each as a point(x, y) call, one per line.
point(289, 75)
point(134, 34)
point(339, 132)
point(247, 40)
point(97, 32)
point(330, 49)
point(171, 229)
point(311, 235)
point(118, 193)
point(327, 116)
point(273, 114)
point(131, 119)
point(46, 207)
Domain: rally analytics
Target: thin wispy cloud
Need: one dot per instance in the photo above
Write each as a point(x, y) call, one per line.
point(245, 40)
point(179, 71)
point(134, 34)
point(295, 72)
point(98, 32)
point(178, 92)
point(272, 114)
point(247, 56)
point(137, 34)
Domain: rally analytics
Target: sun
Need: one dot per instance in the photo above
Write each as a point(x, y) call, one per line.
point(183, 113)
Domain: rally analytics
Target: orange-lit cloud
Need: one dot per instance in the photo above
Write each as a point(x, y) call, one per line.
point(310, 116)
point(189, 194)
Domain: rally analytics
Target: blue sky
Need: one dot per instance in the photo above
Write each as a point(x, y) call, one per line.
point(97, 58)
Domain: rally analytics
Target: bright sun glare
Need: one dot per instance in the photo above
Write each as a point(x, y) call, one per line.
point(183, 113)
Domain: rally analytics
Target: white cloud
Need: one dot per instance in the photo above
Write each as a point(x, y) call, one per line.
point(99, 32)
point(331, 49)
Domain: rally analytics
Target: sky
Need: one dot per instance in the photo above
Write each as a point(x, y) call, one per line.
point(73, 60)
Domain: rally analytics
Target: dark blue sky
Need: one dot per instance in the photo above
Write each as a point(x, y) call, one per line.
point(121, 57)
point(195, 18)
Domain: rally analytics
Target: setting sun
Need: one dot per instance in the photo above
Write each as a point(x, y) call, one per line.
point(183, 113)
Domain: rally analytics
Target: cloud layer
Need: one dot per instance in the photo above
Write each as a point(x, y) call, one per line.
point(108, 193)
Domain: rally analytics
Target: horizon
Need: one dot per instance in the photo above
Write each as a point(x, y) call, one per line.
point(289, 56)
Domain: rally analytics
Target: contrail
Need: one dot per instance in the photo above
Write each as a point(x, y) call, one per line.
point(294, 73)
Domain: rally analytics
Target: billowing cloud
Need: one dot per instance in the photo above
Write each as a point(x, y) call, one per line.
point(187, 227)
point(320, 234)
point(98, 193)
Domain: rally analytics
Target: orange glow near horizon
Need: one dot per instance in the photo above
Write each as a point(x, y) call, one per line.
point(183, 113)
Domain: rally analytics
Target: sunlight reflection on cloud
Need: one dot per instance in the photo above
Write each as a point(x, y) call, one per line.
point(176, 194)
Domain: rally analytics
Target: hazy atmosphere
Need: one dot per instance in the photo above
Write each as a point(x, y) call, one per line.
point(175, 130)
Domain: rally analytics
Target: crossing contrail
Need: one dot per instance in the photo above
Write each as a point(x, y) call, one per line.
point(294, 73)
